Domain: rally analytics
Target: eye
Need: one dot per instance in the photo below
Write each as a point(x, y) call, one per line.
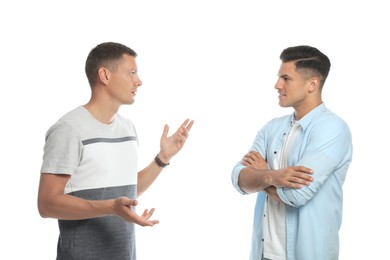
point(133, 72)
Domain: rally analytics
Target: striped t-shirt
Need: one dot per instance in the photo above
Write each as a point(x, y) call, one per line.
point(102, 162)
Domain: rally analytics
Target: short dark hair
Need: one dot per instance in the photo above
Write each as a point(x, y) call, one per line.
point(107, 54)
point(308, 60)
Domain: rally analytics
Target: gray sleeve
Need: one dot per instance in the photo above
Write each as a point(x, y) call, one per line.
point(62, 150)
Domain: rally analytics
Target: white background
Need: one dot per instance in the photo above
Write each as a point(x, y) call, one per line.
point(212, 61)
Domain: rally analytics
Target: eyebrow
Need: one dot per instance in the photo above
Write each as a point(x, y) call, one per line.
point(284, 76)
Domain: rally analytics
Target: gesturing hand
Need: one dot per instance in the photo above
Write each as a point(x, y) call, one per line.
point(123, 208)
point(171, 145)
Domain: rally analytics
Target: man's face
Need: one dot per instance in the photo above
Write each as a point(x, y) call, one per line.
point(124, 81)
point(292, 88)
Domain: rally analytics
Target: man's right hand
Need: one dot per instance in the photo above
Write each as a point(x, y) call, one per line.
point(123, 208)
point(291, 177)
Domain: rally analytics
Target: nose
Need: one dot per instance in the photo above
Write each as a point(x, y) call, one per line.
point(137, 81)
point(277, 85)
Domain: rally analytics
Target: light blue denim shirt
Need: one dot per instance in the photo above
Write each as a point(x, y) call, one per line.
point(314, 212)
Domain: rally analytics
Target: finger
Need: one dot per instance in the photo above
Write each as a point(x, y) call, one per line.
point(154, 222)
point(244, 157)
point(303, 176)
point(133, 202)
point(129, 202)
point(165, 131)
point(189, 126)
point(150, 223)
point(245, 163)
point(252, 157)
point(302, 181)
point(247, 159)
point(146, 223)
point(186, 127)
point(304, 169)
point(183, 132)
point(294, 185)
point(186, 123)
point(248, 154)
point(147, 214)
point(255, 154)
point(134, 218)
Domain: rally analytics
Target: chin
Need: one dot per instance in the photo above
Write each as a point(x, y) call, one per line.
point(284, 105)
point(129, 102)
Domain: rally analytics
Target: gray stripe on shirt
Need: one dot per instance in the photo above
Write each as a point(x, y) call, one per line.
point(109, 140)
point(102, 238)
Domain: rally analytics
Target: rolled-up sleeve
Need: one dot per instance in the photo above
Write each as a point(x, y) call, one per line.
point(235, 174)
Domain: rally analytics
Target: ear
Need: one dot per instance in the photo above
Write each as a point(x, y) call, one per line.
point(104, 75)
point(314, 84)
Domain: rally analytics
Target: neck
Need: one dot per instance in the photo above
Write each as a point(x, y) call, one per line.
point(302, 111)
point(102, 111)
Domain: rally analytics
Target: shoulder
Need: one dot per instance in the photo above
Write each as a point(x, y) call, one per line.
point(329, 125)
point(331, 120)
point(77, 115)
point(67, 123)
point(322, 118)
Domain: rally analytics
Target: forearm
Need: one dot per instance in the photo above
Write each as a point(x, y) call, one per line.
point(169, 147)
point(271, 191)
point(68, 207)
point(149, 174)
point(251, 180)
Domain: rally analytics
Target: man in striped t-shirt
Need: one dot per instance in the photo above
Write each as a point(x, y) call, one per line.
point(89, 175)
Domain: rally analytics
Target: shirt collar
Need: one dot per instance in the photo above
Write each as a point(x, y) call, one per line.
point(305, 121)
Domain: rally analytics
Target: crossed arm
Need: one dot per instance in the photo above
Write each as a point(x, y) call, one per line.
point(53, 203)
point(256, 176)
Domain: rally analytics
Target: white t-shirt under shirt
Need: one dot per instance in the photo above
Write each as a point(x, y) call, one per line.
point(275, 211)
point(102, 161)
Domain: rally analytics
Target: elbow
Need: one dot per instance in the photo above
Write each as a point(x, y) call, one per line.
point(294, 198)
point(293, 202)
point(43, 212)
point(297, 204)
point(235, 179)
point(237, 184)
point(43, 208)
point(245, 189)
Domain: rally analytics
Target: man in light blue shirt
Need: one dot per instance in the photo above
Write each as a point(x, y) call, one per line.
point(297, 165)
